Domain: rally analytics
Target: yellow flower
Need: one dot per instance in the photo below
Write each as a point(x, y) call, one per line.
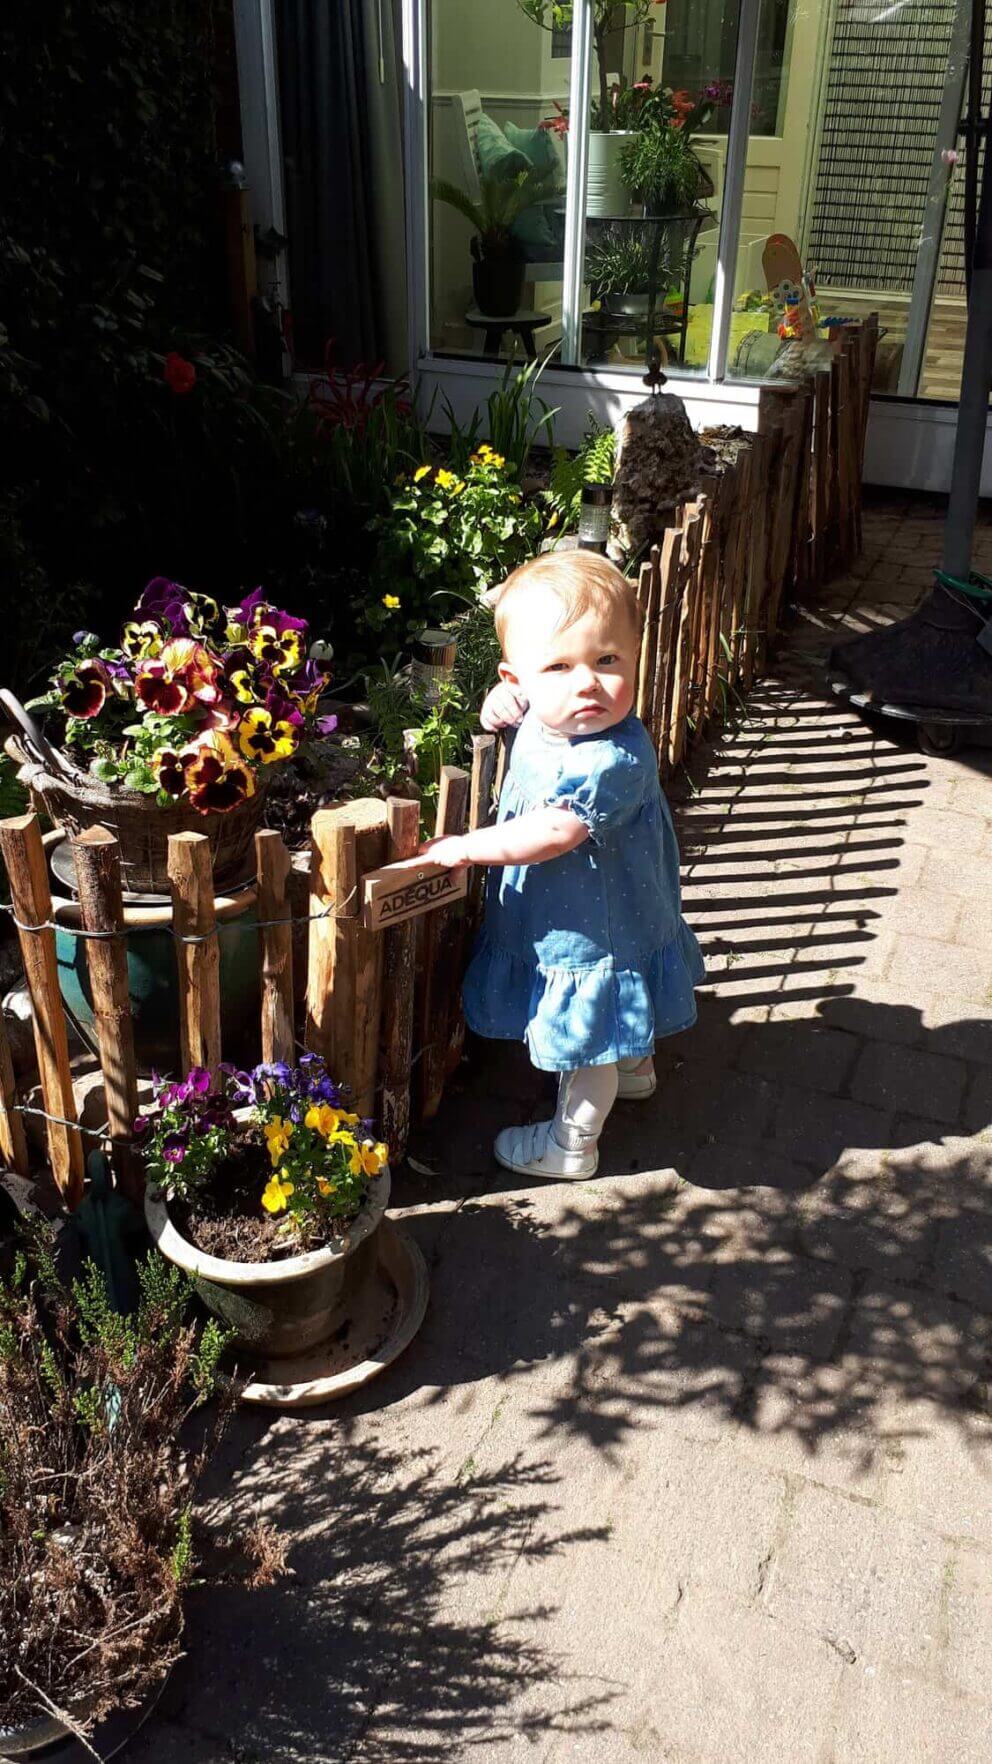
point(324, 1187)
point(373, 1156)
point(322, 1117)
point(355, 1164)
point(421, 472)
point(349, 1120)
point(448, 481)
point(261, 736)
point(278, 1134)
point(495, 459)
point(553, 522)
point(277, 1191)
point(391, 600)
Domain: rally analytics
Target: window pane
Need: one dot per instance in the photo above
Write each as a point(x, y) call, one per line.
point(845, 178)
point(662, 84)
point(499, 85)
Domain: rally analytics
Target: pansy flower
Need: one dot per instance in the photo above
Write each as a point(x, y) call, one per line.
point(84, 690)
point(216, 777)
point(168, 769)
point(142, 637)
point(263, 737)
point(163, 599)
point(276, 1193)
point(279, 649)
point(278, 1133)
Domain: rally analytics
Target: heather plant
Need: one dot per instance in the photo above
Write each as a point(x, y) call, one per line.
point(97, 1484)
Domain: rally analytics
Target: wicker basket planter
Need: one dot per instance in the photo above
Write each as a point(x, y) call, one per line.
point(142, 828)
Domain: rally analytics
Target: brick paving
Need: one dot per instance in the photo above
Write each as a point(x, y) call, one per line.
point(692, 1462)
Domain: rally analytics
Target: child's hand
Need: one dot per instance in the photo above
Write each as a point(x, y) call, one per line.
point(449, 851)
point(504, 708)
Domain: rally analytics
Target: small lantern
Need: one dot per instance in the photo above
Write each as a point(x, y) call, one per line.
point(594, 517)
point(433, 661)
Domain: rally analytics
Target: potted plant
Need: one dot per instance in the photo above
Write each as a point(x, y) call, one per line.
point(624, 271)
point(498, 258)
point(175, 727)
point(615, 105)
point(97, 1541)
point(660, 170)
point(268, 1192)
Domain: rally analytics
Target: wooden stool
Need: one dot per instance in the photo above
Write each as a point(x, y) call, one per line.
point(525, 323)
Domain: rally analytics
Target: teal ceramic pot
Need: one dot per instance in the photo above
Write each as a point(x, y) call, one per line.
point(153, 982)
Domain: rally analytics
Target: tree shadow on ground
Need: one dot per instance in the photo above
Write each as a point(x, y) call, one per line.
point(351, 1648)
point(801, 1234)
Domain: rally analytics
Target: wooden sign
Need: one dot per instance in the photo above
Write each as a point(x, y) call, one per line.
point(405, 890)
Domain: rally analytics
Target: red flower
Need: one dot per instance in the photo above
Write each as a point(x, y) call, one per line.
point(178, 373)
point(84, 692)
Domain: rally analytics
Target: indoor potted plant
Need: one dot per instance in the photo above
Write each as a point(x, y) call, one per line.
point(615, 104)
point(498, 258)
point(174, 728)
point(266, 1190)
point(624, 272)
point(97, 1542)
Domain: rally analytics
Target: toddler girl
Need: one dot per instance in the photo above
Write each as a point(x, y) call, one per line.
point(584, 953)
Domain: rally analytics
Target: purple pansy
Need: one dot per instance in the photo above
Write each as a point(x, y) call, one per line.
point(163, 599)
point(174, 1148)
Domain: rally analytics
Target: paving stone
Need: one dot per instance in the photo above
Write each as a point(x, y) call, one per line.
point(742, 1107)
point(871, 1586)
point(821, 1057)
point(953, 874)
point(921, 961)
point(910, 1078)
point(924, 909)
point(977, 1113)
point(790, 1306)
point(816, 1129)
point(969, 1622)
point(730, 1686)
point(947, 831)
point(889, 1718)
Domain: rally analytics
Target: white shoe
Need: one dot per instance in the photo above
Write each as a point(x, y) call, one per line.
point(533, 1151)
point(638, 1085)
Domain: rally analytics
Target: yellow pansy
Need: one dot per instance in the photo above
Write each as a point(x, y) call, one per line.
point(372, 1156)
point(421, 472)
point(391, 601)
point(449, 481)
point(348, 1119)
point(324, 1187)
point(553, 522)
point(277, 1191)
point(263, 737)
point(278, 1134)
point(322, 1117)
point(355, 1165)
point(495, 459)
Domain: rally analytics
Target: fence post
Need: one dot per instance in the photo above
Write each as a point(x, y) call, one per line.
point(96, 855)
point(440, 951)
point(649, 600)
point(480, 801)
point(399, 971)
point(275, 935)
point(191, 876)
point(13, 1145)
point(31, 898)
point(820, 487)
point(344, 987)
point(665, 630)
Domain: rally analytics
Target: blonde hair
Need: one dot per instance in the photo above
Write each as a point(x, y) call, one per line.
point(581, 580)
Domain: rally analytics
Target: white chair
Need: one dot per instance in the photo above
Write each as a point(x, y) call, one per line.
point(468, 109)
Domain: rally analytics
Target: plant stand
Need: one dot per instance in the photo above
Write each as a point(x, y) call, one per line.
point(524, 323)
point(386, 1316)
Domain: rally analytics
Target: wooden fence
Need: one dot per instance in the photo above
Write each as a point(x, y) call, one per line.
point(383, 1005)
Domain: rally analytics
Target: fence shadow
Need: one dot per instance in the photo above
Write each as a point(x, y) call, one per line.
point(794, 1233)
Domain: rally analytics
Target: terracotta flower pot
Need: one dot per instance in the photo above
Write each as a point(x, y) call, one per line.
point(279, 1308)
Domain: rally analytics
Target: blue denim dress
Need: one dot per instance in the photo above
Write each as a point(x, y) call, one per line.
point(586, 957)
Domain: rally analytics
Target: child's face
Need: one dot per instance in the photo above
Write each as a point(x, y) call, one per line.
point(580, 680)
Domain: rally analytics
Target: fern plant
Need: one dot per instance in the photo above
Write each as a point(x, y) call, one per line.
point(594, 463)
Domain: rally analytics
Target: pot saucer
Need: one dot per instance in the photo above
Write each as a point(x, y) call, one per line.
point(388, 1312)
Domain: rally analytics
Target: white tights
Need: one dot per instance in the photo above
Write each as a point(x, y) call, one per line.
point(585, 1098)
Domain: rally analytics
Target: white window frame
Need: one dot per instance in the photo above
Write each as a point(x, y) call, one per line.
point(910, 441)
